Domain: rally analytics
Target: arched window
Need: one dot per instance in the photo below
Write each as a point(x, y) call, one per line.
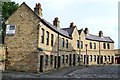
point(94, 45)
point(42, 36)
point(63, 42)
point(66, 43)
point(90, 58)
point(90, 45)
point(81, 45)
point(52, 39)
point(77, 44)
point(105, 58)
point(108, 45)
point(104, 45)
point(47, 38)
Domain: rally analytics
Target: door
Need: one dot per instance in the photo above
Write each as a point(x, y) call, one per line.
point(41, 63)
point(112, 59)
point(84, 58)
point(59, 61)
point(74, 59)
point(87, 59)
point(98, 60)
point(55, 60)
point(101, 58)
point(70, 59)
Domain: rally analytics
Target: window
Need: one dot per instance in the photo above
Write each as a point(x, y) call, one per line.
point(109, 58)
point(66, 58)
point(81, 57)
point(77, 43)
point(46, 60)
point(42, 36)
point(77, 58)
point(66, 43)
point(47, 38)
point(81, 44)
point(94, 57)
point(63, 42)
point(90, 58)
point(94, 45)
point(104, 45)
point(90, 45)
point(108, 45)
point(62, 59)
point(52, 39)
point(105, 58)
point(51, 59)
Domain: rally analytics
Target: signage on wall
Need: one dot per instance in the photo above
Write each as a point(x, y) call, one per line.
point(10, 29)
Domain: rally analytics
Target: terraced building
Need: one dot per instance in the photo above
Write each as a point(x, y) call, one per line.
point(34, 44)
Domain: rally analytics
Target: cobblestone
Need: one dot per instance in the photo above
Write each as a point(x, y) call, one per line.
point(109, 71)
point(102, 71)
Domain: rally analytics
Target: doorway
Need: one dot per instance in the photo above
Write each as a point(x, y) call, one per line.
point(41, 63)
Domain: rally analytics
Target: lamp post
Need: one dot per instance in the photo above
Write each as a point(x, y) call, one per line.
point(86, 56)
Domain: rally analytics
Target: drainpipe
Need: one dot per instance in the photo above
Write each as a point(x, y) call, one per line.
point(99, 52)
point(58, 52)
point(86, 56)
point(79, 50)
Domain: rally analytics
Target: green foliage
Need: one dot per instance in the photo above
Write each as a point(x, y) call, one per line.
point(8, 9)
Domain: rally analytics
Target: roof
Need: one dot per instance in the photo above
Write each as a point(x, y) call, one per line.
point(54, 28)
point(28, 8)
point(79, 31)
point(69, 30)
point(97, 38)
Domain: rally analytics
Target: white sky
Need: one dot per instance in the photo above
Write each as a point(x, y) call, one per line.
point(95, 14)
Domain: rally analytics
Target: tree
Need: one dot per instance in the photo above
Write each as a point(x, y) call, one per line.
point(8, 9)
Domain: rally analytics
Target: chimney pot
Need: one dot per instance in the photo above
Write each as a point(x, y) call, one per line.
point(72, 24)
point(38, 9)
point(86, 31)
point(56, 22)
point(100, 34)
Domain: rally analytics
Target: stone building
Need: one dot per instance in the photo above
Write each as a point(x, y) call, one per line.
point(33, 44)
point(117, 56)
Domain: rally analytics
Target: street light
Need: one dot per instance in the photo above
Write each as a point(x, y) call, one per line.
point(86, 56)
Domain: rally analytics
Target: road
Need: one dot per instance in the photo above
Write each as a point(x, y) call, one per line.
point(101, 71)
point(109, 71)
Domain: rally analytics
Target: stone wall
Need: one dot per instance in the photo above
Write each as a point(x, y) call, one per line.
point(22, 54)
point(2, 58)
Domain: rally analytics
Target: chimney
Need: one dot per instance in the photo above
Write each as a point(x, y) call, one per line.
point(100, 34)
point(71, 24)
point(56, 22)
point(86, 31)
point(38, 9)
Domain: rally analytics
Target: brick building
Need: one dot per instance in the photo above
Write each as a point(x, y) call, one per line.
point(33, 44)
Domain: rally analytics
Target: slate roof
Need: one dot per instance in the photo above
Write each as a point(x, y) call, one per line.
point(69, 30)
point(97, 38)
point(54, 28)
point(79, 31)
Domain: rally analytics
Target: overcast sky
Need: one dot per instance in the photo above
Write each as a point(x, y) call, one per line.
point(96, 15)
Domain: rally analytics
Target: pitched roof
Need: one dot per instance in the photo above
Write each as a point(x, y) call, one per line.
point(54, 28)
point(69, 30)
point(79, 31)
point(97, 38)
